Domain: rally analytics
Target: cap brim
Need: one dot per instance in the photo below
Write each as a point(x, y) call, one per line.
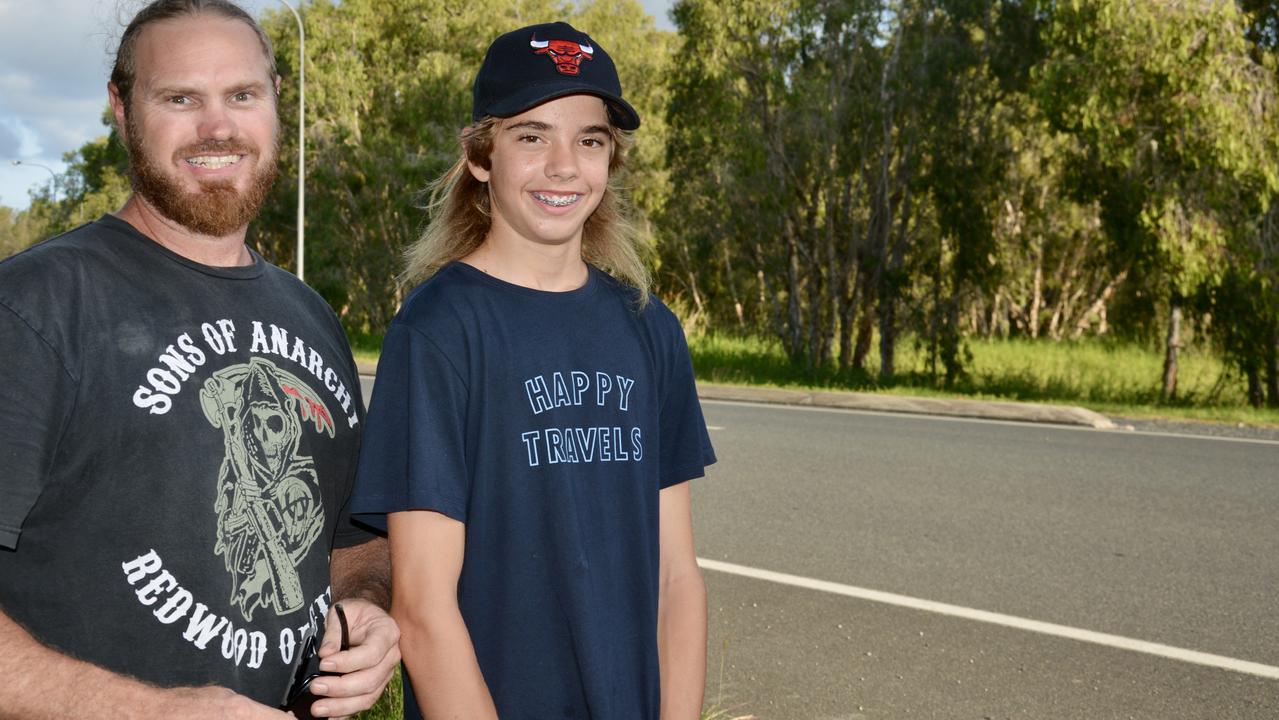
point(620, 112)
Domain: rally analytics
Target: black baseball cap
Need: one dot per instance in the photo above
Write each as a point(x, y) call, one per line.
point(527, 67)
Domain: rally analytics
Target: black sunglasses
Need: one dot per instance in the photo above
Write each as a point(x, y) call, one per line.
point(300, 698)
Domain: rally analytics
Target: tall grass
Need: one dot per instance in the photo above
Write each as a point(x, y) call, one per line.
point(1109, 376)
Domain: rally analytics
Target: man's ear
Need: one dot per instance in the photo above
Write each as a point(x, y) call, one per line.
point(277, 86)
point(117, 109)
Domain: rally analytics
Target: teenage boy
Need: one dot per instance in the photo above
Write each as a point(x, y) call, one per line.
point(535, 420)
point(180, 423)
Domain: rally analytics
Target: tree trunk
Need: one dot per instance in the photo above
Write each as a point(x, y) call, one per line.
point(950, 340)
point(794, 331)
point(1170, 358)
point(732, 288)
point(887, 337)
point(865, 320)
point(1037, 292)
point(1272, 367)
point(1255, 395)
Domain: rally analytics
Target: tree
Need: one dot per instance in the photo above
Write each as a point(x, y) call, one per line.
point(388, 90)
point(1171, 112)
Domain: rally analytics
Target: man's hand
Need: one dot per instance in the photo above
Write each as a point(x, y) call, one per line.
point(366, 667)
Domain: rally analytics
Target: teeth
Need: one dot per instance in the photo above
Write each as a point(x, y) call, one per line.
point(556, 200)
point(214, 162)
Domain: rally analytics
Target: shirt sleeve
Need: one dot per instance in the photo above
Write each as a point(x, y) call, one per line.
point(686, 445)
point(39, 397)
point(349, 533)
point(413, 455)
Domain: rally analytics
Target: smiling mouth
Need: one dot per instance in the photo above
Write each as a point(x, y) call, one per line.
point(556, 200)
point(214, 162)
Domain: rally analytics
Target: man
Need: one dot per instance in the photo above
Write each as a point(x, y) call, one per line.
point(536, 423)
point(180, 424)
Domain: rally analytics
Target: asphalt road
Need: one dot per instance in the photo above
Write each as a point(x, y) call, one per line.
point(1168, 540)
point(1162, 539)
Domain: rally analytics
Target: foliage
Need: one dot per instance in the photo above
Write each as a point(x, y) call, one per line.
point(1175, 119)
point(388, 91)
point(883, 187)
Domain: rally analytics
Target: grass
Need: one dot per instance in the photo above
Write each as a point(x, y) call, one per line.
point(365, 346)
point(390, 706)
point(1114, 378)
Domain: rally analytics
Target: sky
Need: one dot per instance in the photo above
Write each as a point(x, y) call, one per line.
point(53, 75)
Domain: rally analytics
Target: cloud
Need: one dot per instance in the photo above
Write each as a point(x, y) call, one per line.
point(53, 72)
point(10, 143)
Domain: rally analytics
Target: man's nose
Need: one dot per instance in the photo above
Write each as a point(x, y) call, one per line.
point(216, 123)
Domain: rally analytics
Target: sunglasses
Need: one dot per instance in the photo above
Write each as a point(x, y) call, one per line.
point(300, 698)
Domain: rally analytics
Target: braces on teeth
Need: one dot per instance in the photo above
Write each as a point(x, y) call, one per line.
point(556, 202)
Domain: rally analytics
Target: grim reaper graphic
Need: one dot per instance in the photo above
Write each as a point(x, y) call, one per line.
point(268, 503)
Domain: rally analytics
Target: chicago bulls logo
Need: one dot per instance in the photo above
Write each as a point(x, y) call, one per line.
point(566, 55)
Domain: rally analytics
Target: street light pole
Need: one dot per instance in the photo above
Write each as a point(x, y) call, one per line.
point(48, 169)
point(301, 141)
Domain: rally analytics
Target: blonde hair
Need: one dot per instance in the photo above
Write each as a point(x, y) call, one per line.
point(460, 217)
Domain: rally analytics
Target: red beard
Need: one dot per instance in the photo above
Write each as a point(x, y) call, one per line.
point(217, 209)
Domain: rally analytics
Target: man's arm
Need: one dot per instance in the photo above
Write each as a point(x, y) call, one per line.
point(361, 582)
point(681, 609)
point(426, 561)
point(364, 572)
point(43, 684)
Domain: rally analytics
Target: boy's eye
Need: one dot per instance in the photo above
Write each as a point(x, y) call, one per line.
point(529, 138)
point(593, 142)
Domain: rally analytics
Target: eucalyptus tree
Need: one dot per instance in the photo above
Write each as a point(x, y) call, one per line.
point(788, 167)
point(388, 91)
point(1172, 115)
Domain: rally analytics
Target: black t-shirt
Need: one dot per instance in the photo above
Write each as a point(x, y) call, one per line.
point(177, 443)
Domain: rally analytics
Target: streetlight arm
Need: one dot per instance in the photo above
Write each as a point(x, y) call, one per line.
point(52, 175)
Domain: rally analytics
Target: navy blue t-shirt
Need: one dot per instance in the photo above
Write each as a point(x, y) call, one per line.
point(547, 422)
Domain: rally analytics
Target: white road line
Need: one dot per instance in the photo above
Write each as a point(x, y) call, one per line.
point(1045, 628)
point(714, 427)
point(1025, 424)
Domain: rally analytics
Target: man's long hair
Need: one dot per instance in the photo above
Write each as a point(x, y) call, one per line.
point(460, 217)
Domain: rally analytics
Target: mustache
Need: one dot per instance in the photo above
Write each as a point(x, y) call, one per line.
point(216, 147)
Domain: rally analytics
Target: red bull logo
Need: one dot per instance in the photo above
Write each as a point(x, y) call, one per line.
point(566, 55)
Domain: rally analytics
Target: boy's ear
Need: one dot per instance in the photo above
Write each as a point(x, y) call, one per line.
point(478, 172)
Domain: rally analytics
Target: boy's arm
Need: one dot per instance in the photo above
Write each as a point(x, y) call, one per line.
point(426, 561)
point(681, 609)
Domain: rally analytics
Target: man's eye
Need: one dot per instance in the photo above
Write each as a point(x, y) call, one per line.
point(593, 142)
point(242, 97)
point(180, 100)
point(529, 138)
